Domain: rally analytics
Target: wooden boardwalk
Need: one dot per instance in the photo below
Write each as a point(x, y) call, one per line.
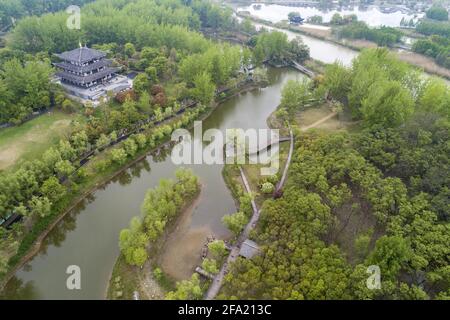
point(234, 252)
point(303, 69)
point(288, 161)
point(268, 146)
point(204, 273)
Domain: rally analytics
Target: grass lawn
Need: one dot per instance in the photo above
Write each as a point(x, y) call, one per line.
point(29, 140)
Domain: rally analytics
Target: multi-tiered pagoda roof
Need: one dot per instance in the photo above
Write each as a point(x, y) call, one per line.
point(84, 67)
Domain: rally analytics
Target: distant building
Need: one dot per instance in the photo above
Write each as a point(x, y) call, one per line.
point(85, 73)
point(295, 19)
point(249, 249)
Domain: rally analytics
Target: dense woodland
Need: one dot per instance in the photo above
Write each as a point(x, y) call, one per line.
point(375, 197)
point(437, 30)
point(437, 12)
point(144, 35)
point(383, 36)
point(13, 10)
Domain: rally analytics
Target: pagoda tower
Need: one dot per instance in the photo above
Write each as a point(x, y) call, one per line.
point(84, 67)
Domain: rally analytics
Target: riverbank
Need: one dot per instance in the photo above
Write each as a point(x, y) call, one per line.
point(126, 280)
point(97, 180)
point(425, 63)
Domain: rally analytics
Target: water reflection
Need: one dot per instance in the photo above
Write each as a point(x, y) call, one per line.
point(371, 15)
point(321, 50)
point(88, 235)
point(17, 289)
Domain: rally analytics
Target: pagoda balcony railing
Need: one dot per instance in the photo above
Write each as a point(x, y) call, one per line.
point(85, 69)
point(86, 79)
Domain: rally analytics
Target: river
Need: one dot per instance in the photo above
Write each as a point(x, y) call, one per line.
point(371, 15)
point(321, 50)
point(88, 236)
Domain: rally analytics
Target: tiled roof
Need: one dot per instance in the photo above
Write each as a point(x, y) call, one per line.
point(88, 68)
point(81, 55)
point(86, 79)
point(249, 249)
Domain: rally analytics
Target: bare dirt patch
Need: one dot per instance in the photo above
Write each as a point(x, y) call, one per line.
point(321, 33)
point(9, 156)
point(149, 286)
point(306, 118)
point(359, 43)
point(182, 249)
point(353, 222)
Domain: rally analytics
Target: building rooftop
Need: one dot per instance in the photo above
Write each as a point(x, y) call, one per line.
point(88, 78)
point(249, 249)
point(81, 55)
point(83, 69)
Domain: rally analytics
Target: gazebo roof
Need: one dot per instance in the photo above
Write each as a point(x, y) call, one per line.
point(249, 249)
point(81, 55)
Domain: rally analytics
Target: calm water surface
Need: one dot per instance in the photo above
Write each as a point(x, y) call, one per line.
point(88, 236)
point(371, 15)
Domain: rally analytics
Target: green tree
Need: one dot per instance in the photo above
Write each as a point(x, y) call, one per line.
point(40, 206)
point(204, 88)
point(140, 256)
point(130, 147)
point(362, 243)
point(235, 222)
point(152, 74)
point(119, 156)
point(437, 12)
point(336, 19)
point(391, 254)
point(435, 97)
point(210, 266)
point(337, 81)
point(295, 95)
point(388, 104)
point(187, 290)
point(129, 49)
point(267, 188)
point(52, 189)
point(217, 249)
point(102, 141)
point(141, 83)
point(64, 168)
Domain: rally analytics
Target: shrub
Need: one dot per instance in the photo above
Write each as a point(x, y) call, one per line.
point(122, 96)
point(267, 188)
point(119, 156)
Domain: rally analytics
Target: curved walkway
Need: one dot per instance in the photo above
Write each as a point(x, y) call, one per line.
point(288, 162)
point(234, 252)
